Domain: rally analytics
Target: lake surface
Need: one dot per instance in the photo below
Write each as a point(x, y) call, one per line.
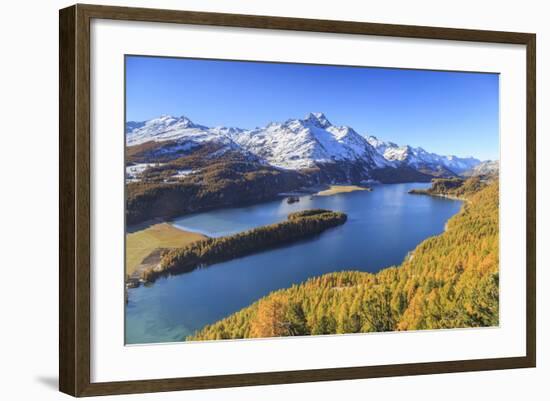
point(382, 227)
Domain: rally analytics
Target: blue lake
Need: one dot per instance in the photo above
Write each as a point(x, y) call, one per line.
point(382, 227)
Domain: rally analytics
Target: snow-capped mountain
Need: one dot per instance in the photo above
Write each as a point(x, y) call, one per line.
point(312, 143)
point(298, 144)
point(422, 160)
point(175, 135)
point(168, 128)
point(294, 145)
point(486, 168)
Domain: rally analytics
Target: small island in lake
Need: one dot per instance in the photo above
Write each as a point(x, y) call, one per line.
point(338, 189)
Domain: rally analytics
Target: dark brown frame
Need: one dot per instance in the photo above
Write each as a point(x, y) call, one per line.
point(74, 199)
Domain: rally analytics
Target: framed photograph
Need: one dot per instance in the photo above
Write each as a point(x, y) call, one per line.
point(249, 200)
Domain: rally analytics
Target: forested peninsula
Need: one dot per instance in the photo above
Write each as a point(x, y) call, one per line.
point(448, 281)
point(299, 225)
point(454, 187)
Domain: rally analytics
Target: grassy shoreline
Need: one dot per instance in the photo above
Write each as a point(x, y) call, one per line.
point(141, 244)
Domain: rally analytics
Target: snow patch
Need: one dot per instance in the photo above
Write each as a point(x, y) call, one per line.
point(133, 172)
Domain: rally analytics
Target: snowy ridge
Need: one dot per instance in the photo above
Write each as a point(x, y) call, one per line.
point(294, 144)
point(488, 167)
point(167, 128)
point(176, 135)
point(297, 144)
point(420, 158)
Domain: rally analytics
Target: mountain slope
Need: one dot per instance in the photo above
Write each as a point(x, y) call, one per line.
point(197, 182)
point(165, 128)
point(169, 137)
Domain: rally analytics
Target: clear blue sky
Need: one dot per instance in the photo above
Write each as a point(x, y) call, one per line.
point(444, 112)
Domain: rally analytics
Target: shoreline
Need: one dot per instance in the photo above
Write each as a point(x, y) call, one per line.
point(341, 189)
point(451, 197)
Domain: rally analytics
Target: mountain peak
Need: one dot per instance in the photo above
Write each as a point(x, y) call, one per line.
point(317, 119)
point(374, 141)
point(380, 144)
point(170, 119)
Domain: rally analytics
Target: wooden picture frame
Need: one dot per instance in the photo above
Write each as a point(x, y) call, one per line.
point(74, 203)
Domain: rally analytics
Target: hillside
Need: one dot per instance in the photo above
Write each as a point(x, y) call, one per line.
point(197, 181)
point(448, 281)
